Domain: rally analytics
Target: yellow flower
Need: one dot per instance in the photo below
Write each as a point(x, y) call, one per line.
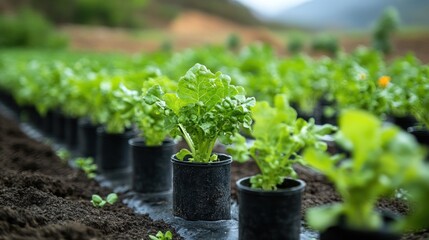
point(383, 81)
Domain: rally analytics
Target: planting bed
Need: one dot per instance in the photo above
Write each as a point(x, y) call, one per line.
point(43, 198)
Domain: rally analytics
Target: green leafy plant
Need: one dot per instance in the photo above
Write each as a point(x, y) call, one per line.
point(206, 107)
point(279, 137)
point(98, 201)
point(383, 158)
point(326, 43)
point(148, 118)
point(28, 28)
point(87, 165)
point(295, 44)
point(233, 41)
point(63, 154)
point(162, 236)
point(386, 25)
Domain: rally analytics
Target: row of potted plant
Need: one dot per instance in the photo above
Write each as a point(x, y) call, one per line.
point(360, 79)
point(205, 106)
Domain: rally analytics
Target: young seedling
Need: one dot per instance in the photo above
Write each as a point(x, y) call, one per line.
point(279, 138)
point(87, 165)
point(63, 154)
point(98, 201)
point(162, 236)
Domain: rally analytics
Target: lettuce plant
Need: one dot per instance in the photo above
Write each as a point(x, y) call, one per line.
point(148, 118)
point(162, 236)
point(87, 165)
point(383, 158)
point(279, 136)
point(205, 107)
point(98, 201)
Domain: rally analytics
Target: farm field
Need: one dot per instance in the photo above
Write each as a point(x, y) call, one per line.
point(207, 128)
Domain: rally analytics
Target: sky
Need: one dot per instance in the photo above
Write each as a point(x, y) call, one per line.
point(267, 8)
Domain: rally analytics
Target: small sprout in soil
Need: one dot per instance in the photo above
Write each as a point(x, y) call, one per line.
point(87, 165)
point(63, 154)
point(162, 236)
point(98, 201)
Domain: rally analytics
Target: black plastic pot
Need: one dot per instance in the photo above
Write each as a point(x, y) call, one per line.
point(59, 125)
point(201, 191)
point(47, 123)
point(113, 153)
point(71, 132)
point(341, 231)
point(151, 166)
point(270, 214)
point(87, 138)
point(422, 136)
point(404, 122)
point(33, 116)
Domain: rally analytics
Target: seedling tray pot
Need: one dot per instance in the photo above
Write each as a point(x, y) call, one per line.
point(113, 151)
point(151, 166)
point(47, 123)
point(71, 132)
point(270, 214)
point(59, 124)
point(87, 138)
point(341, 231)
point(202, 191)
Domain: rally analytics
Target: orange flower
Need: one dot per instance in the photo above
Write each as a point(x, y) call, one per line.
point(383, 81)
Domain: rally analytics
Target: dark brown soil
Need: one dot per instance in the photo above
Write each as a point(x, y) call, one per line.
point(42, 198)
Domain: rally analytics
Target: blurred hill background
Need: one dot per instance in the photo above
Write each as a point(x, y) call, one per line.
point(352, 14)
point(311, 14)
point(148, 25)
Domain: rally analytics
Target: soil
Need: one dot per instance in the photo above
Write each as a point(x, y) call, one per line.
point(43, 198)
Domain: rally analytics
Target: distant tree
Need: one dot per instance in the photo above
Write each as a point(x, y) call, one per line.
point(233, 41)
point(386, 25)
point(325, 43)
point(295, 43)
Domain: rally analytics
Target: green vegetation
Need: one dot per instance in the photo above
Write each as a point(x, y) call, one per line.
point(206, 107)
point(325, 43)
point(233, 41)
point(162, 236)
point(98, 201)
point(64, 155)
point(87, 165)
point(279, 138)
point(386, 25)
point(28, 28)
point(295, 43)
point(383, 159)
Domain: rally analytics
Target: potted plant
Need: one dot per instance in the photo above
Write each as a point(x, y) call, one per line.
point(383, 159)
point(114, 114)
point(205, 108)
point(152, 150)
point(270, 202)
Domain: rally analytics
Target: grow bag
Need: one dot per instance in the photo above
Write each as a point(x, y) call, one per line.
point(151, 166)
point(341, 231)
point(270, 214)
point(71, 132)
point(87, 138)
point(112, 150)
point(202, 191)
point(59, 122)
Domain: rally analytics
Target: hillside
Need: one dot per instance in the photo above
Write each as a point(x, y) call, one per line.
point(357, 14)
